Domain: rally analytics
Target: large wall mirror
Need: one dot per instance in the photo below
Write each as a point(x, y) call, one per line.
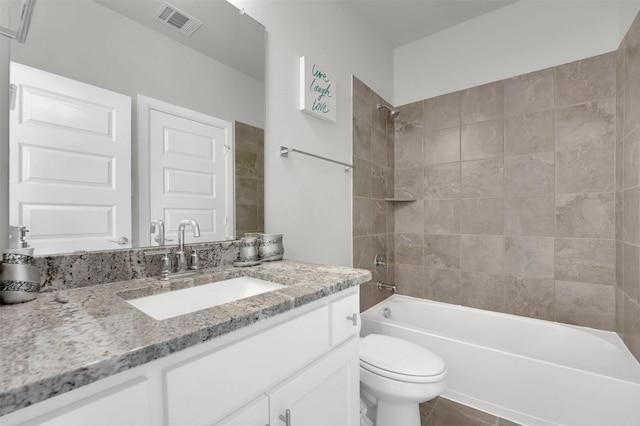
point(121, 46)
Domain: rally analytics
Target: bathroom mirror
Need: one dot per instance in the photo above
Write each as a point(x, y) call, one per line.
point(121, 46)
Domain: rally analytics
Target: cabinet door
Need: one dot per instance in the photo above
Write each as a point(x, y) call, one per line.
point(255, 413)
point(124, 405)
point(325, 393)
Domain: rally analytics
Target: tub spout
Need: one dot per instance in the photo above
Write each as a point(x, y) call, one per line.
point(390, 287)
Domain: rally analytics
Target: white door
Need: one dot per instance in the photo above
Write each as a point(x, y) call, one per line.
point(70, 154)
point(190, 171)
point(326, 393)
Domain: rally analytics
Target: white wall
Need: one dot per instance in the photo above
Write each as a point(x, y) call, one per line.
point(306, 199)
point(520, 38)
point(4, 142)
point(628, 11)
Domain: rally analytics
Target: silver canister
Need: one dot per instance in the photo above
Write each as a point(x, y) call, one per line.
point(19, 278)
point(271, 247)
point(248, 250)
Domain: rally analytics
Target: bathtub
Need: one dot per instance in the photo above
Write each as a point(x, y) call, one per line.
point(529, 371)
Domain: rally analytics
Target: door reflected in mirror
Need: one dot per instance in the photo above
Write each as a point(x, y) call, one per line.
point(119, 46)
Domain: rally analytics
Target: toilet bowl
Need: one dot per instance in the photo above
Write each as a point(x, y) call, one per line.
point(399, 375)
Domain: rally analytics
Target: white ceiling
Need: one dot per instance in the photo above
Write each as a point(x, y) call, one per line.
point(402, 21)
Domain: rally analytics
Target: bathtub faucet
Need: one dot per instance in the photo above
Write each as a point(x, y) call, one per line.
point(390, 287)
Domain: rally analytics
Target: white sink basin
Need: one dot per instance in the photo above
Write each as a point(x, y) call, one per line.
point(180, 302)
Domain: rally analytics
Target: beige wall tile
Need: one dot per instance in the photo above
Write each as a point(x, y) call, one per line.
point(361, 178)
point(530, 297)
point(408, 136)
point(408, 183)
point(586, 80)
point(442, 216)
point(631, 160)
point(246, 164)
point(588, 124)
point(619, 165)
point(362, 138)
point(379, 181)
point(246, 216)
point(362, 216)
point(246, 190)
point(378, 217)
point(482, 140)
point(530, 174)
point(620, 71)
point(410, 249)
point(585, 260)
point(442, 181)
point(482, 254)
point(530, 215)
point(442, 251)
point(246, 137)
point(363, 103)
point(588, 305)
point(442, 111)
point(483, 291)
point(619, 264)
point(620, 299)
point(585, 170)
point(482, 103)
point(482, 178)
point(619, 214)
point(442, 285)
point(362, 252)
point(585, 215)
point(529, 256)
point(529, 93)
point(632, 49)
point(630, 216)
point(410, 280)
point(525, 134)
point(380, 118)
point(379, 147)
point(632, 104)
point(632, 327)
point(482, 216)
point(631, 281)
point(442, 146)
point(408, 218)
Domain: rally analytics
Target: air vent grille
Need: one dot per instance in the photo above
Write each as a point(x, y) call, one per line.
point(178, 20)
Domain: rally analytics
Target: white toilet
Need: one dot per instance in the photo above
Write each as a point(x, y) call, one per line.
point(397, 375)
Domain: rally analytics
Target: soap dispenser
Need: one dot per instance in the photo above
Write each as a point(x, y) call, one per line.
point(19, 277)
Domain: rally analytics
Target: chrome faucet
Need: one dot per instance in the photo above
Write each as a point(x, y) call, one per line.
point(152, 228)
point(181, 258)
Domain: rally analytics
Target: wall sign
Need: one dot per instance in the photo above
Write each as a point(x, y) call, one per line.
point(317, 90)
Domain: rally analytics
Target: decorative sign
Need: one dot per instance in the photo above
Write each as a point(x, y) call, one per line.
point(317, 90)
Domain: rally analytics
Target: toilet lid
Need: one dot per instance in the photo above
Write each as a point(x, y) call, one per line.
point(399, 356)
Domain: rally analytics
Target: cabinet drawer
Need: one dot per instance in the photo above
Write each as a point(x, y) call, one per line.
point(342, 323)
point(203, 389)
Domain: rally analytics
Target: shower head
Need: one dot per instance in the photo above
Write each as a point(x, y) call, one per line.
point(393, 113)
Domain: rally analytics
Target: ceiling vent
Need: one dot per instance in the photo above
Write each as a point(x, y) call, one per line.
point(178, 20)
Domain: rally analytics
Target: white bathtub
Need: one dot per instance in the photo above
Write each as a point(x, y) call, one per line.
point(529, 371)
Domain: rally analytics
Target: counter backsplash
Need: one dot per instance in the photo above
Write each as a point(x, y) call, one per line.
point(74, 270)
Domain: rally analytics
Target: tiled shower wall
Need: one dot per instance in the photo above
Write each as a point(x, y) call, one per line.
point(373, 157)
point(514, 182)
point(249, 179)
point(627, 189)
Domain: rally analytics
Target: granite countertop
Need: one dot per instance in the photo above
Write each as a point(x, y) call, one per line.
point(70, 338)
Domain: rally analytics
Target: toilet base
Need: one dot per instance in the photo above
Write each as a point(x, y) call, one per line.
point(394, 414)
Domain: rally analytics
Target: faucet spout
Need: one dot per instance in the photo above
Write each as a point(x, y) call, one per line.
point(152, 228)
point(182, 258)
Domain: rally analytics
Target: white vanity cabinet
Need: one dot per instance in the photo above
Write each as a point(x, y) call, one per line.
point(304, 360)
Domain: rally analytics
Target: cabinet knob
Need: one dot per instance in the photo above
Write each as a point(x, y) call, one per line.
point(354, 319)
point(286, 418)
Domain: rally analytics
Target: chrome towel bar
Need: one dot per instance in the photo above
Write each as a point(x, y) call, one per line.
point(284, 152)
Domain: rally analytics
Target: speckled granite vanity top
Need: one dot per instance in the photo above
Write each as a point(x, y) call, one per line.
point(70, 338)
